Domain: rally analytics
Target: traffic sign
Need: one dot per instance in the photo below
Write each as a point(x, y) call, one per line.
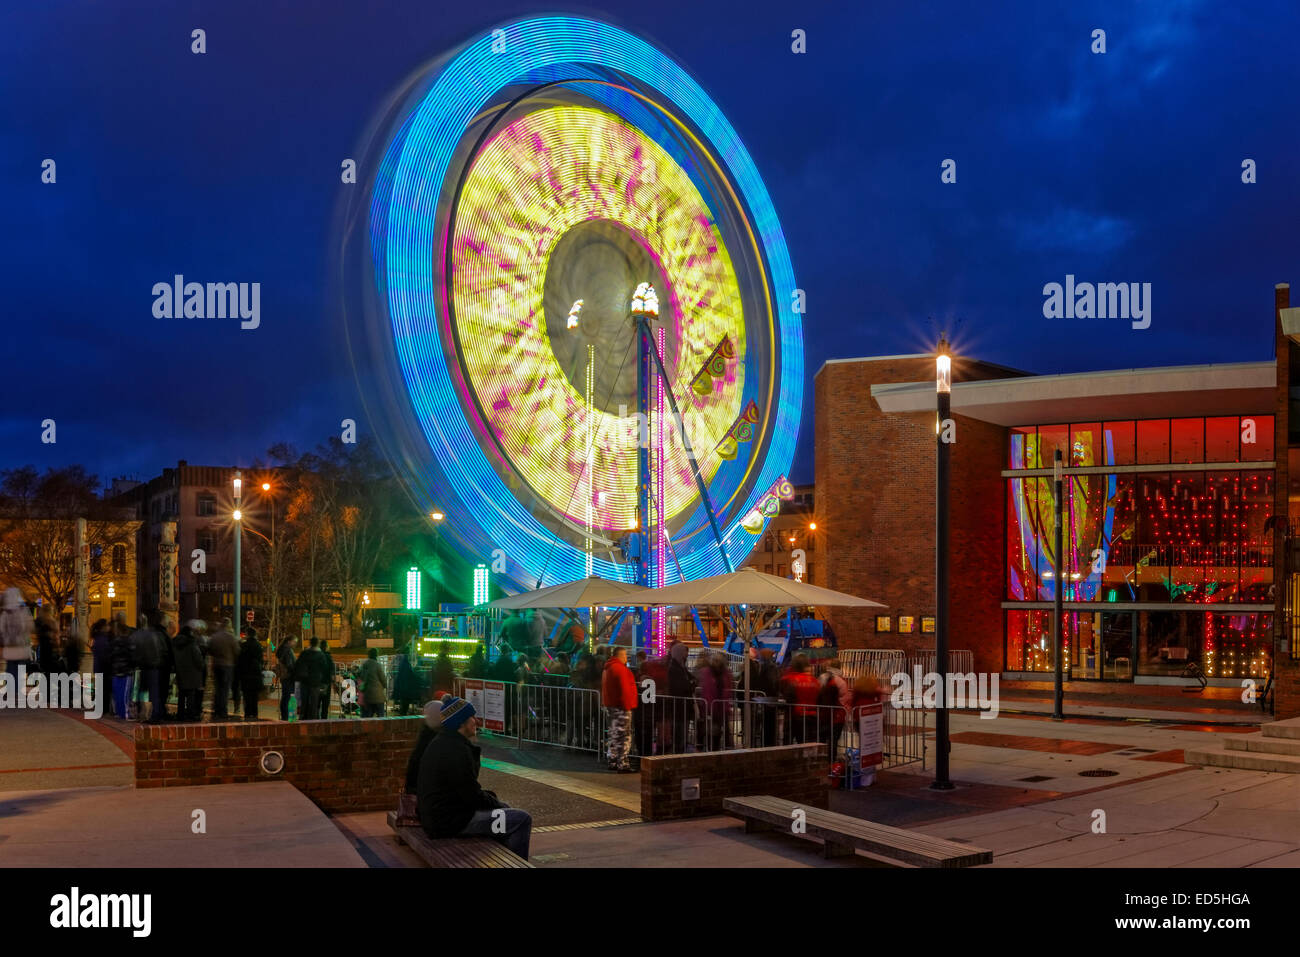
point(248, 616)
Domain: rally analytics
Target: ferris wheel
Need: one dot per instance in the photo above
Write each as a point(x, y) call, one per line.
point(580, 320)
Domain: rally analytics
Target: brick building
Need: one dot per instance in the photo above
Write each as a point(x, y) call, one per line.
point(1172, 553)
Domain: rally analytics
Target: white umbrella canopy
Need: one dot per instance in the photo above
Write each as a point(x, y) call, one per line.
point(584, 593)
point(749, 586)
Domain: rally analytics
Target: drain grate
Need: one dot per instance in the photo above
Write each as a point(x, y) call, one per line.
point(1098, 773)
point(1036, 778)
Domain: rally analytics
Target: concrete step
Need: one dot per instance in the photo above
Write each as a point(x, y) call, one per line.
point(1290, 728)
point(1243, 760)
point(1261, 743)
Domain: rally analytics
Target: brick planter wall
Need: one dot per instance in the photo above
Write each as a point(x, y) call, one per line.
point(342, 765)
point(795, 771)
point(1286, 689)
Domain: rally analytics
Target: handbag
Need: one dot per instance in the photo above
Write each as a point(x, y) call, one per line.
point(407, 809)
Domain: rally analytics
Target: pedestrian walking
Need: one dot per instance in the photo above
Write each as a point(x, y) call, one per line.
point(374, 687)
point(681, 694)
point(46, 643)
point(327, 673)
point(223, 648)
point(799, 689)
point(147, 656)
point(309, 672)
point(619, 698)
point(188, 655)
point(122, 666)
point(286, 662)
point(15, 631)
point(248, 670)
point(836, 700)
point(442, 677)
point(406, 685)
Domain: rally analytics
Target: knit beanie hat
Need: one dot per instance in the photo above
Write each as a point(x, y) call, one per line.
point(455, 712)
point(433, 714)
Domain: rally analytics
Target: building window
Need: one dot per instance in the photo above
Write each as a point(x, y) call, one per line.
point(780, 571)
point(207, 505)
point(118, 603)
point(119, 559)
point(207, 542)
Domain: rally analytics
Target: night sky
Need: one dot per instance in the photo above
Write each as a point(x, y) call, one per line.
point(1120, 167)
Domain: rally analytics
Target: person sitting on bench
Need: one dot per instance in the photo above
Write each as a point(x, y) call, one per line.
point(450, 800)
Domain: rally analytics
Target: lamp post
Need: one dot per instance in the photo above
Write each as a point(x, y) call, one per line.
point(943, 390)
point(437, 518)
point(275, 567)
point(239, 542)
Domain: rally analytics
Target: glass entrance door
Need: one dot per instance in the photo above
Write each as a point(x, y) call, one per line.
point(1103, 647)
point(1117, 638)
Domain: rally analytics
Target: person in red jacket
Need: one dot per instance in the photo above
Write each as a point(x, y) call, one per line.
point(618, 695)
point(800, 688)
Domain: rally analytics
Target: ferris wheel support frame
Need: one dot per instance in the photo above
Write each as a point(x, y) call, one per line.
point(650, 363)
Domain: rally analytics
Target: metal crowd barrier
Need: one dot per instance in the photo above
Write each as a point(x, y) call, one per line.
point(569, 717)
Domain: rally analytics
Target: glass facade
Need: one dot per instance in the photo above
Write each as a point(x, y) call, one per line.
point(1196, 540)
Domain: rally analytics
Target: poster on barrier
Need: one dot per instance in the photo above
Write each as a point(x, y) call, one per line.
point(871, 734)
point(472, 689)
point(493, 711)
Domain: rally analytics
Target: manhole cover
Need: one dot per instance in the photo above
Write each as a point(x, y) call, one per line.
point(1036, 778)
point(1098, 773)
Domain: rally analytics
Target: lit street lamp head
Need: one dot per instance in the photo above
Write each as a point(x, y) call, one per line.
point(238, 515)
point(943, 367)
point(437, 516)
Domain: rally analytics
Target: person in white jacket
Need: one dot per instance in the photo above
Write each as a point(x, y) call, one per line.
point(15, 631)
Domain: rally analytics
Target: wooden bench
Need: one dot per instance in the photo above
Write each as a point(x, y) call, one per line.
point(454, 851)
point(842, 835)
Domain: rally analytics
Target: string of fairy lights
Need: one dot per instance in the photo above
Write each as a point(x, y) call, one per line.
point(1187, 538)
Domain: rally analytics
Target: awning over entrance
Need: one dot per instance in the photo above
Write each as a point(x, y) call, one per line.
point(1235, 388)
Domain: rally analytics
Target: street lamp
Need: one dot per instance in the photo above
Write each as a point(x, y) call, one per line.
point(275, 566)
point(239, 543)
point(943, 392)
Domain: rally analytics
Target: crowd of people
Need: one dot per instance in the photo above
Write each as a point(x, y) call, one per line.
point(146, 663)
point(659, 705)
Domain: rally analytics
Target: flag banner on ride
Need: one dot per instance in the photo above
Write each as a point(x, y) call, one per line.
point(715, 367)
point(769, 506)
point(741, 431)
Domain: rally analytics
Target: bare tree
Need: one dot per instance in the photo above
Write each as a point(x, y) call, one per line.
point(38, 516)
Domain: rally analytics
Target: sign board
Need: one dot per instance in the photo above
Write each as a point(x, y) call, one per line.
point(248, 616)
point(306, 622)
point(871, 734)
point(489, 701)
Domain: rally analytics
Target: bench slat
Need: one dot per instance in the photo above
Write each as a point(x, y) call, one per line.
point(455, 851)
point(909, 847)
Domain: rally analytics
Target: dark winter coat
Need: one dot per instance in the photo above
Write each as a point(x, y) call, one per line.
point(251, 657)
point(119, 656)
point(189, 660)
point(311, 668)
point(448, 790)
point(146, 648)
